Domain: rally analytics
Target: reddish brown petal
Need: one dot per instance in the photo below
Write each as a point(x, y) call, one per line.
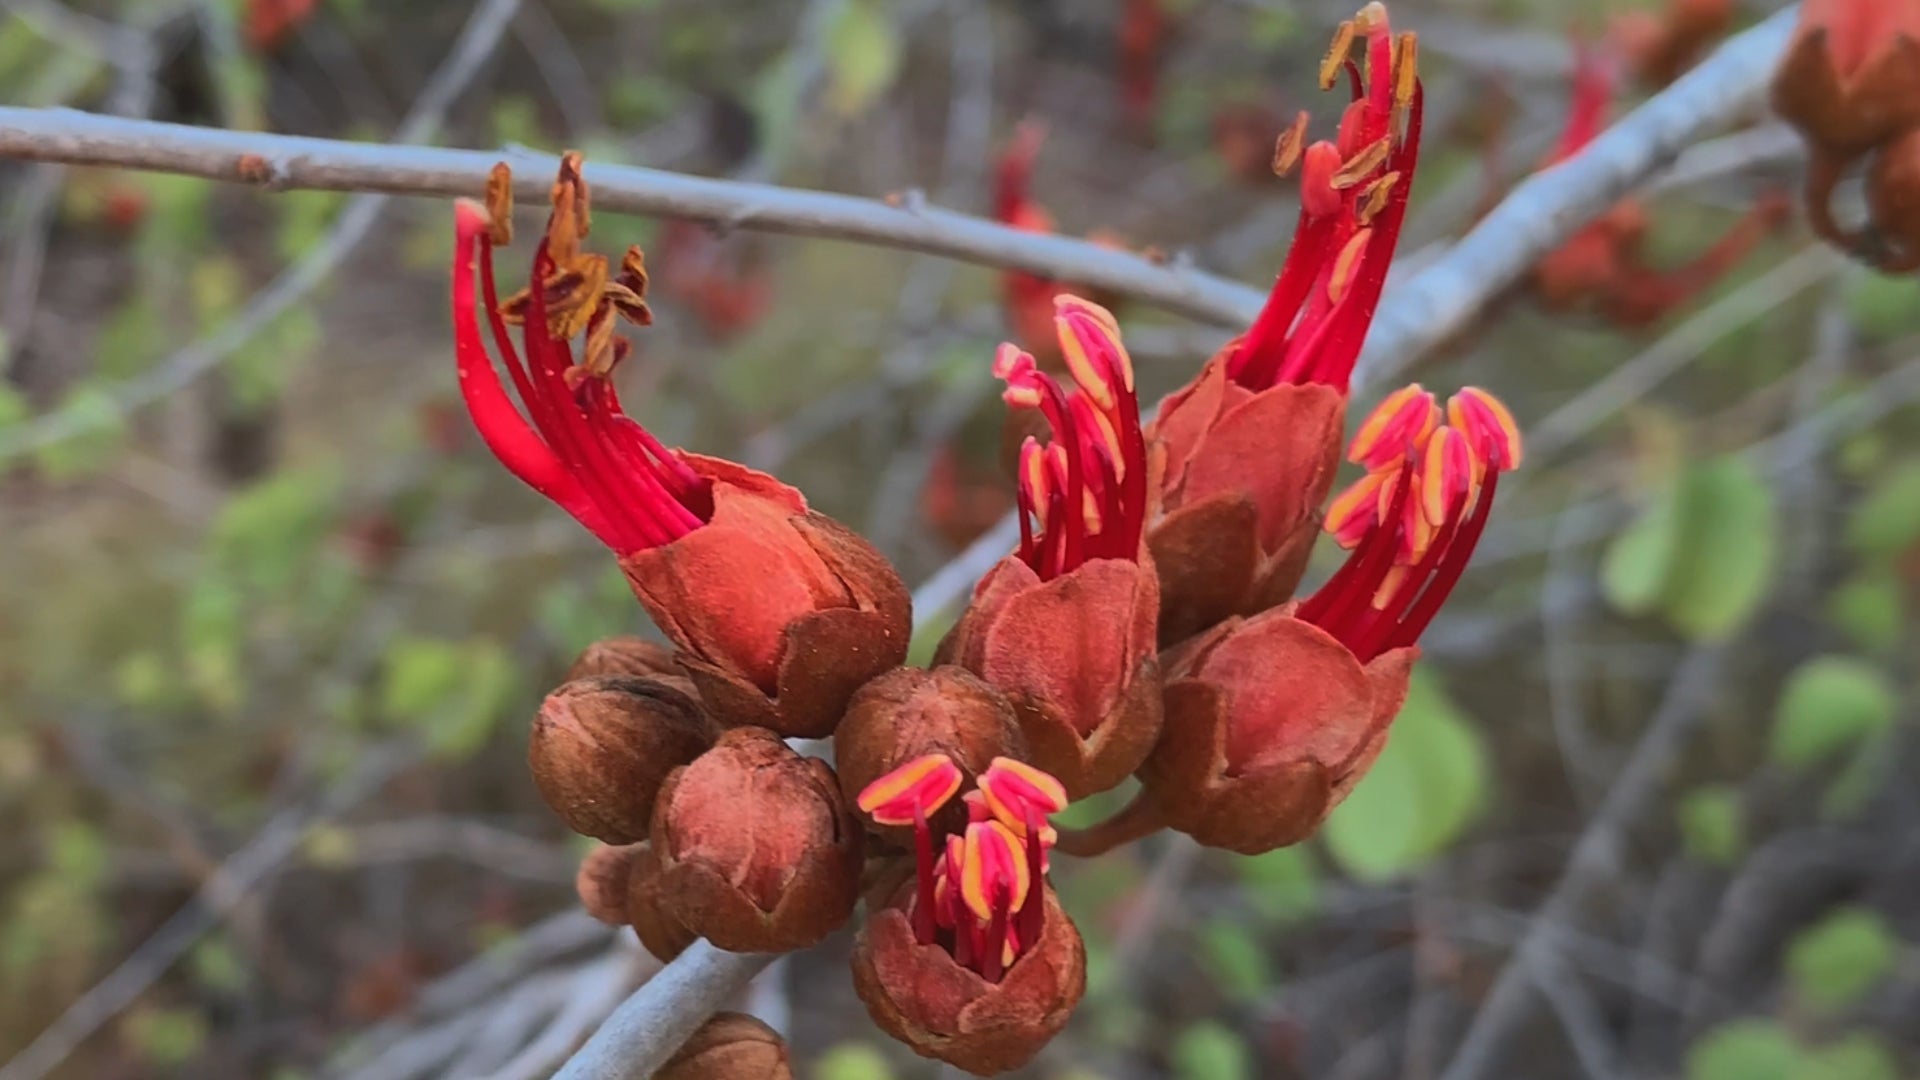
point(728, 591)
point(757, 849)
point(1207, 554)
point(1292, 693)
point(1187, 413)
point(917, 994)
point(1073, 641)
point(1280, 447)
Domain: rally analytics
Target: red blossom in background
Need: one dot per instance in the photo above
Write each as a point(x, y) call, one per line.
point(1603, 267)
point(270, 22)
point(1141, 41)
point(1661, 46)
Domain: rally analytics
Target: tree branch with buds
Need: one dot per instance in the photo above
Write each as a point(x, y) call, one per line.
point(1085, 509)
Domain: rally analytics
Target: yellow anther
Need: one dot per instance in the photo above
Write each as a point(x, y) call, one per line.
point(1345, 264)
point(1289, 146)
point(1356, 168)
point(1337, 54)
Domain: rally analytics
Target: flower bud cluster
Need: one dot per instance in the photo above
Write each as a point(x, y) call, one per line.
point(1145, 626)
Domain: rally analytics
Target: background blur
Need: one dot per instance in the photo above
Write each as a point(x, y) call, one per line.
point(272, 623)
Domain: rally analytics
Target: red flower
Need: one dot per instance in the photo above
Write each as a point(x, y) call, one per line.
point(1603, 266)
point(779, 613)
point(1251, 444)
point(1851, 84)
point(1664, 45)
point(1143, 31)
point(972, 961)
point(1272, 719)
point(1065, 627)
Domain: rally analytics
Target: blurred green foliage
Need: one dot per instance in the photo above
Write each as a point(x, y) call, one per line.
point(1422, 793)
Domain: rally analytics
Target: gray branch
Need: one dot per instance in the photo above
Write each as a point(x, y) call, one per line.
point(1548, 207)
point(297, 162)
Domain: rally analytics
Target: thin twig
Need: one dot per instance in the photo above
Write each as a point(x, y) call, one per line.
point(1596, 856)
point(276, 842)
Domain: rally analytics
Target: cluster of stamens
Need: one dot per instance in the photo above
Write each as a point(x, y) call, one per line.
point(1353, 199)
point(1412, 521)
point(575, 444)
point(1083, 495)
point(982, 896)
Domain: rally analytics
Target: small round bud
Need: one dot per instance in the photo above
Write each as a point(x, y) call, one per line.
point(730, 1046)
point(909, 713)
point(758, 849)
point(602, 881)
point(625, 655)
point(601, 747)
point(661, 933)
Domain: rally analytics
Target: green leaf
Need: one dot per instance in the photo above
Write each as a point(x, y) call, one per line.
point(1421, 795)
point(217, 966)
point(1854, 784)
point(1725, 560)
point(853, 1061)
point(268, 535)
point(78, 853)
point(132, 339)
point(1284, 885)
point(213, 631)
point(1869, 608)
point(98, 426)
point(516, 121)
point(305, 217)
point(452, 692)
point(1883, 307)
point(1236, 959)
point(165, 1037)
point(1744, 1050)
point(1859, 1056)
point(14, 409)
point(1829, 703)
point(863, 55)
point(258, 371)
point(1638, 564)
point(1211, 1051)
point(1713, 824)
point(1839, 960)
point(1887, 520)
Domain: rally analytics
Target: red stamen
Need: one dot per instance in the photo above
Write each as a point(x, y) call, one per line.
point(1349, 592)
point(923, 916)
point(1459, 553)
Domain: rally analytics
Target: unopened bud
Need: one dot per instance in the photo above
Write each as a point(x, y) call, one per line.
point(602, 746)
point(910, 713)
point(659, 931)
point(626, 655)
point(602, 881)
point(730, 1046)
point(758, 849)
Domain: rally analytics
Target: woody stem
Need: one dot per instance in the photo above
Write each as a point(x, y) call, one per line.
point(1136, 820)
